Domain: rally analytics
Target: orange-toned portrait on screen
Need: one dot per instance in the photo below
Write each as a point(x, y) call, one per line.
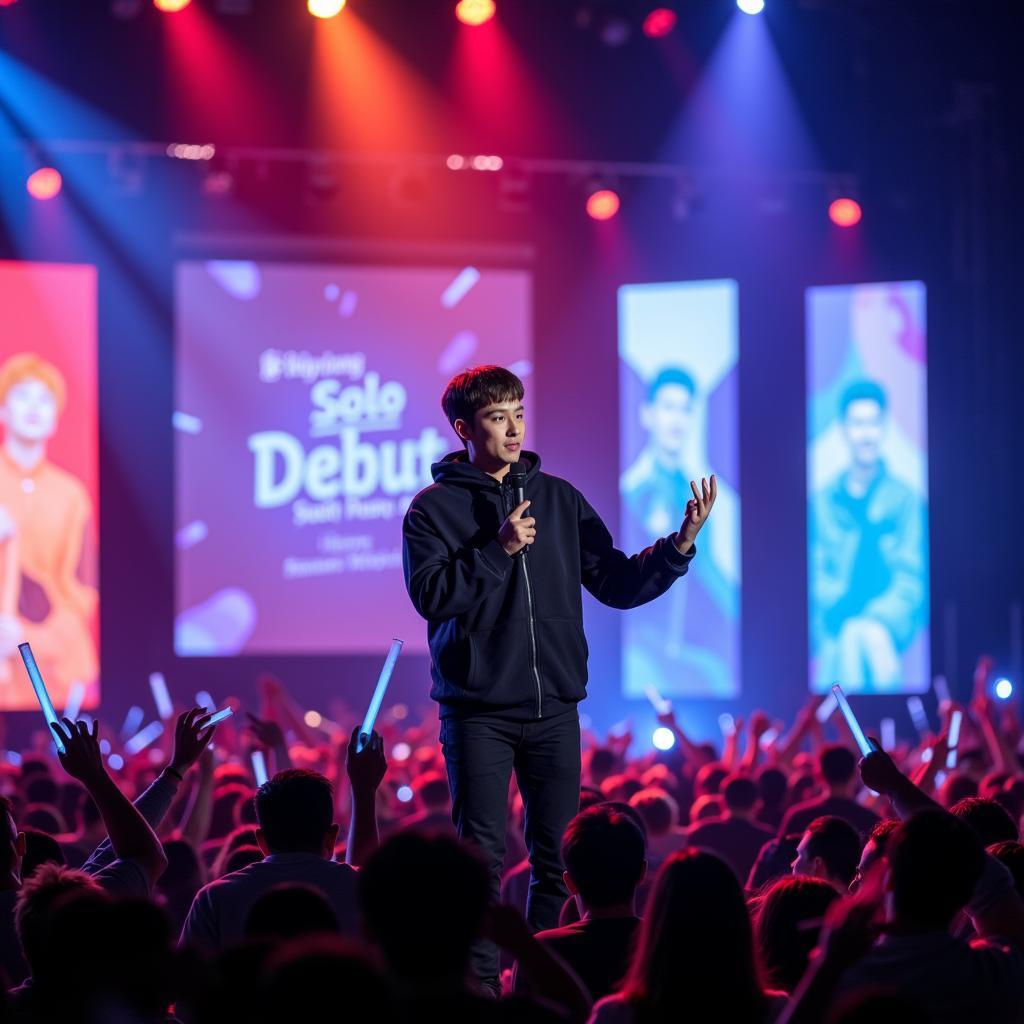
point(49, 481)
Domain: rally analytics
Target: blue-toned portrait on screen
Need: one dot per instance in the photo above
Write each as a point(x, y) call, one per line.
point(868, 517)
point(679, 357)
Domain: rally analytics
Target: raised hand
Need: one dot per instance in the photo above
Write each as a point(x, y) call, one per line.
point(517, 532)
point(191, 738)
point(698, 508)
point(81, 757)
point(366, 767)
point(268, 733)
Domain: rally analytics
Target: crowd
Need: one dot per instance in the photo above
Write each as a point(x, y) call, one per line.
point(784, 880)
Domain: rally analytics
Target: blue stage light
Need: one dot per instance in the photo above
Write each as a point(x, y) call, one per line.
point(1004, 688)
point(750, 6)
point(663, 739)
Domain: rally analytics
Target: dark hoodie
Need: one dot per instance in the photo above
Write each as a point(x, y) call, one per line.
point(506, 633)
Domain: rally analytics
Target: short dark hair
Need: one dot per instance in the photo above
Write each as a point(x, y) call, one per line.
point(935, 861)
point(739, 793)
point(837, 843)
point(785, 928)
point(861, 390)
point(881, 834)
point(772, 785)
point(295, 809)
point(604, 853)
point(837, 763)
point(989, 820)
point(40, 848)
point(658, 809)
point(418, 885)
point(670, 375)
point(40, 896)
point(468, 392)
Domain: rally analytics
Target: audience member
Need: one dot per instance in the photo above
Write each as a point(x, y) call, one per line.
point(837, 775)
point(829, 849)
point(735, 836)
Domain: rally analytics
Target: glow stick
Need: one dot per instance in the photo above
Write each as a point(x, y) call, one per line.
point(660, 705)
point(36, 678)
point(378, 694)
point(888, 730)
point(132, 721)
point(827, 708)
point(917, 715)
point(954, 737)
point(144, 737)
point(217, 717)
point(769, 737)
point(259, 767)
point(162, 699)
point(204, 700)
point(727, 724)
point(941, 688)
point(851, 720)
point(76, 694)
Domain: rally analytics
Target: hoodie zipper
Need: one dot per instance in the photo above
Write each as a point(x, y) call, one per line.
point(531, 622)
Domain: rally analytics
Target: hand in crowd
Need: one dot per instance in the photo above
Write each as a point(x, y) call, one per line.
point(366, 768)
point(191, 737)
point(267, 733)
point(81, 757)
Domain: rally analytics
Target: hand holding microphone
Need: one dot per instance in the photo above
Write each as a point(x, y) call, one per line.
point(516, 532)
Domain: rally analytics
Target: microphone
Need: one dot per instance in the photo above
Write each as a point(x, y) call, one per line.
point(517, 478)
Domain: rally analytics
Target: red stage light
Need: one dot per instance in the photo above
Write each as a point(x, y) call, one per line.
point(603, 204)
point(474, 12)
point(7, 3)
point(170, 6)
point(325, 8)
point(844, 212)
point(44, 183)
point(659, 22)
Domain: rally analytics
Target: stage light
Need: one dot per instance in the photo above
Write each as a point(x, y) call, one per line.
point(313, 719)
point(116, 762)
point(401, 752)
point(404, 794)
point(663, 738)
point(844, 212)
point(171, 6)
point(8, 3)
point(325, 8)
point(602, 204)
point(474, 12)
point(659, 22)
point(44, 183)
point(1004, 688)
point(750, 6)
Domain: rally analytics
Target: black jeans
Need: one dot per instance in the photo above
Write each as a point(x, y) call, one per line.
point(481, 753)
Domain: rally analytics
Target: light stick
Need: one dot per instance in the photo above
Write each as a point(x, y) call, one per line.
point(205, 700)
point(132, 721)
point(727, 724)
point(259, 767)
point(954, 737)
point(36, 678)
point(851, 720)
point(917, 714)
point(888, 730)
point(768, 737)
point(217, 717)
point(660, 705)
point(378, 694)
point(162, 699)
point(827, 708)
point(941, 688)
point(144, 737)
point(76, 694)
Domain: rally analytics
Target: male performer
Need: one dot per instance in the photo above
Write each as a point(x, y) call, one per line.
point(499, 586)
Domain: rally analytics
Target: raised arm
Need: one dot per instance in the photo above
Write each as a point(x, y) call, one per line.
point(131, 837)
point(365, 769)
